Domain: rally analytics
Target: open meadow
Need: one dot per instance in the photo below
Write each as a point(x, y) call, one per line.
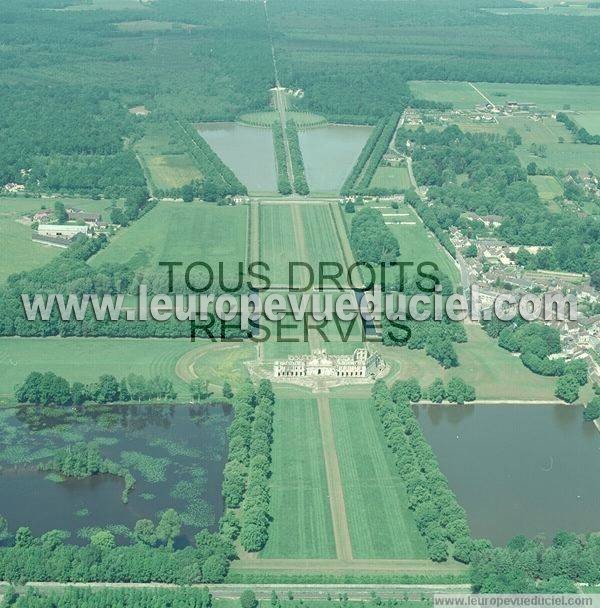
point(395, 178)
point(85, 359)
point(181, 232)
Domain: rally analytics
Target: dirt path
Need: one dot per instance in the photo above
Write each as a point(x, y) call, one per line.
point(355, 591)
point(341, 533)
point(482, 95)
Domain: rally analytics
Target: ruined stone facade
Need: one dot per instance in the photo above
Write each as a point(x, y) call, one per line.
point(361, 364)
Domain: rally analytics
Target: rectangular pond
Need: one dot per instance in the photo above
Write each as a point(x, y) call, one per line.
point(175, 453)
point(518, 469)
point(329, 154)
point(247, 151)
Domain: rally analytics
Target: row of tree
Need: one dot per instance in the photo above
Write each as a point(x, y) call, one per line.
point(283, 181)
point(379, 150)
point(438, 516)
point(363, 158)
point(151, 558)
point(110, 598)
point(49, 389)
point(581, 134)
point(211, 166)
point(255, 517)
point(300, 183)
point(245, 478)
point(455, 391)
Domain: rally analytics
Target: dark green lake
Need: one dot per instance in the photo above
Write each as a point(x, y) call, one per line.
point(176, 454)
point(518, 469)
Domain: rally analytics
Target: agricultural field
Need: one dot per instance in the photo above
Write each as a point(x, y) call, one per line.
point(17, 251)
point(395, 178)
point(301, 526)
point(589, 121)
point(297, 233)
point(546, 96)
point(165, 160)
point(85, 359)
point(181, 232)
point(380, 523)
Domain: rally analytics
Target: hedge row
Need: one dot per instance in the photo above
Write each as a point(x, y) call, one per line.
point(248, 468)
point(255, 509)
point(438, 516)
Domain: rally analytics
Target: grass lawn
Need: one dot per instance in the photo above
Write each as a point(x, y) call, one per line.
point(416, 243)
point(322, 241)
point(278, 242)
point(564, 157)
point(17, 251)
point(381, 525)
point(165, 160)
point(482, 363)
point(301, 526)
point(548, 186)
point(589, 121)
point(85, 359)
point(396, 178)
point(181, 232)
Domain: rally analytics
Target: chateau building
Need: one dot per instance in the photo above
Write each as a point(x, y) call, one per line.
point(362, 363)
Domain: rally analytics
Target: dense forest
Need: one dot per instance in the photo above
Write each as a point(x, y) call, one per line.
point(496, 184)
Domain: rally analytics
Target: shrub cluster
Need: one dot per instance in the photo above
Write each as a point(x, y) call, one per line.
point(439, 517)
point(371, 240)
point(84, 460)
